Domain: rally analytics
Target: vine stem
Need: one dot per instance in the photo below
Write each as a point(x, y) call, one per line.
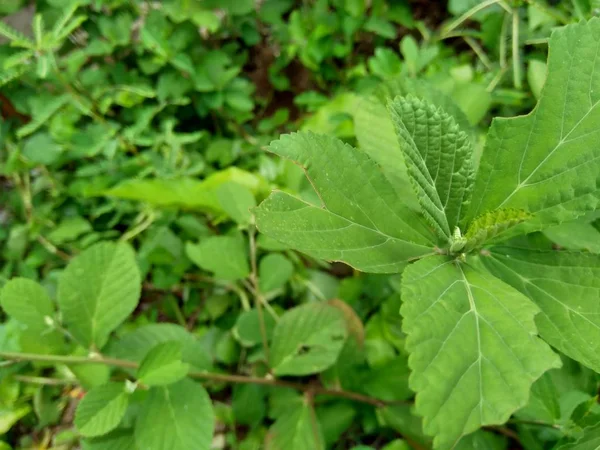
point(209, 376)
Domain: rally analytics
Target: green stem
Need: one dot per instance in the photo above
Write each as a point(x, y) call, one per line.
point(515, 50)
point(467, 15)
point(259, 300)
point(218, 377)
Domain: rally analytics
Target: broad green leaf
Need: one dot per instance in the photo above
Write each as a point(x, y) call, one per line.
point(308, 339)
point(237, 201)
point(225, 256)
point(547, 162)
point(97, 291)
point(274, 270)
point(474, 353)
point(482, 440)
point(162, 365)
point(296, 429)
point(176, 417)
point(576, 235)
point(116, 440)
point(543, 402)
point(186, 193)
point(102, 409)
point(488, 226)
point(361, 220)
point(135, 345)
point(439, 160)
point(28, 303)
point(566, 288)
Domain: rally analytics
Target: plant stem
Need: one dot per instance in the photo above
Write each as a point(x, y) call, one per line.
point(219, 377)
point(538, 423)
point(44, 380)
point(467, 15)
point(259, 300)
point(515, 50)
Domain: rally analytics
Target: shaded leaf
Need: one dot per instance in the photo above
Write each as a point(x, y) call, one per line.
point(225, 256)
point(274, 270)
point(307, 339)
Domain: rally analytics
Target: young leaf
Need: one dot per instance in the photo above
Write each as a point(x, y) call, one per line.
point(176, 417)
point(547, 162)
point(274, 271)
point(102, 409)
point(162, 365)
point(237, 201)
point(28, 303)
point(473, 344)
point(491, 224)
point(439, 160)
point(98, 290)
point(576, 235)
point(225, 256)
point(566, 288)
point(361, 220)
point(296, 429)
point(308, 339)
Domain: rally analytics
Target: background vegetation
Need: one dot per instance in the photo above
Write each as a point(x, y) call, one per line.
point(145, 123)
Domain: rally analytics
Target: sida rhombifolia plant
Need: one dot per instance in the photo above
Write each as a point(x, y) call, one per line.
point(487, 306)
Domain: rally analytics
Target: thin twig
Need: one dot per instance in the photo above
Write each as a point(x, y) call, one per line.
point(259, 300)
point(44, 380)
point(467, 15)
point(218, 377)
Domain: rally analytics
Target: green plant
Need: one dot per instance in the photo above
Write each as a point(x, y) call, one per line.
point(475, 295)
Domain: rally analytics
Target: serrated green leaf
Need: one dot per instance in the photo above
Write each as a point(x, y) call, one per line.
point(225, 256)
point(439, 160)
point(547, 162)
point(307, 339)
point(361, 221)
point(376, 134)
point(295, 429)
point(473, 344)
point(491, 224)
point(17, 38)
point(274, 270)
point(237, 201)
point(102, 409)
point(163, 365)
point(482, 440)
point(28, 303)
point(98, 290)
point(176, 417)
point(566, 288)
